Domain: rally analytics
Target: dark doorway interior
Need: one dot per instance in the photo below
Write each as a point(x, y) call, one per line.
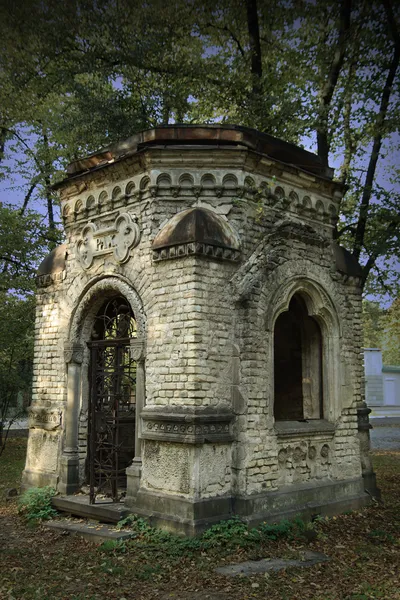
point(297, 365)
point(112, 403)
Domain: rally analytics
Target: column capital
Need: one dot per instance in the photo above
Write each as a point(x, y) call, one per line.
point(73, 352)
point(137, 349)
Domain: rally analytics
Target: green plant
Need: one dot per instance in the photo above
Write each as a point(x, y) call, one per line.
point(113, 546)
point(379, 536)
point(35, 504)
point(135, 522)
point(229, 532)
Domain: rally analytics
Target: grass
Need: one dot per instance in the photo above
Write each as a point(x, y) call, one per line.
point(12, 463)
point(364, 548)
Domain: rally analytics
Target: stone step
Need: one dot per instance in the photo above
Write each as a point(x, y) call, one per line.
point(89, 530)
point(104, 510)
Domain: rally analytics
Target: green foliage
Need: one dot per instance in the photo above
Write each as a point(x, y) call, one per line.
point(380, 536)
point(372, 324)
point(391, 334)
point(113, 546)
point(225, 535)
point(16, 355)
point(295, 71)
point(23, 244)
point(35, 504)
point(226, 532)
point(382, 330)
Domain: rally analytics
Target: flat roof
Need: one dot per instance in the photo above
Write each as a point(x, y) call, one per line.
point(195, 136)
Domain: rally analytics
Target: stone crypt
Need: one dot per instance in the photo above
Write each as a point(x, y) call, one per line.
point(198, 336)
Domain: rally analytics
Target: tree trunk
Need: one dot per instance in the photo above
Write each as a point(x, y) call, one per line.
point(255, 47)
point(378, 137)
point(49, 197)
point(328, 87)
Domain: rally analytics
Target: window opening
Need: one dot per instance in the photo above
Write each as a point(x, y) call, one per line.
point(297, 365)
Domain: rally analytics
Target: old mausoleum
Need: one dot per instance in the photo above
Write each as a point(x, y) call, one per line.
point(198, 336)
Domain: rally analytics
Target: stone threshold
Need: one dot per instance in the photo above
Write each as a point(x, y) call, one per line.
point(92, 531)
point(104, 510)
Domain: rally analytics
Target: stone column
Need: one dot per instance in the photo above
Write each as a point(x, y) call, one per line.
point(363, 435)
point(134, 471)
point(69, 472)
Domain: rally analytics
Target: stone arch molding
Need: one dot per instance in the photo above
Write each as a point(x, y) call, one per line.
point(313, 284)
point(92, 298)
point(318, 302)
point(76, 356)
point(324, 307)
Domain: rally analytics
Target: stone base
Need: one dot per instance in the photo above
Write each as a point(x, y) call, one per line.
point(133, 474)
point(303, 500)
point(69, 474)
point(181, 515)
point(190, 517)
point(32, 479)
point(370, 485)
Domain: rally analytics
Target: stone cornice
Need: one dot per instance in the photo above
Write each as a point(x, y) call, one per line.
point(198, 158)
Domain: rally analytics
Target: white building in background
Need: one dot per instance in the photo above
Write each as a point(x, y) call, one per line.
point(382, 385)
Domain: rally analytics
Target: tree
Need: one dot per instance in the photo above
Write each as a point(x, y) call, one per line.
point(91, 73)
point(16, 351)
point(23, 242)
point(382, 329)
point(391, 334)
point(372, 324)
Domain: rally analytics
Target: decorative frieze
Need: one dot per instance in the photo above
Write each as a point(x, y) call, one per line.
point(196, 249)
point(50, 279)
point(189, 428)
point(117, 239)
point(41, 417)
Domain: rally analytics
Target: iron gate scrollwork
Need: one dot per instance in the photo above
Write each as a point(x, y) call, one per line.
point(112, 400)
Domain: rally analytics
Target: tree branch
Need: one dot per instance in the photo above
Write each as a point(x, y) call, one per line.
point(28, 197)
point(232, 35)
point(351, 227)
point(373, 256)
point(28, 149)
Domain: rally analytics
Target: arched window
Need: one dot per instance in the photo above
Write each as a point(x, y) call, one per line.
point(297, 364)
point(115, 320)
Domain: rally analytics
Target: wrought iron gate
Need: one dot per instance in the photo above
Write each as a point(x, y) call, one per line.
point(112, 405)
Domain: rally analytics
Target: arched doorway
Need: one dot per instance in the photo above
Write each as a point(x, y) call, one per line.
point(112, 399)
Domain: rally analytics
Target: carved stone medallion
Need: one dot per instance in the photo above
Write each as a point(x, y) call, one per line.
point(117, 239)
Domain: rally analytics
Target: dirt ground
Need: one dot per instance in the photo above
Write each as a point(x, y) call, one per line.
point(363, 546)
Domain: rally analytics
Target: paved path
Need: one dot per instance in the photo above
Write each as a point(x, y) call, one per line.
point(385, 434)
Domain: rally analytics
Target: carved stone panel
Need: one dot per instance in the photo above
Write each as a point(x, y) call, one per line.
point(187, 428)
point(117, 239)
point(42, 417)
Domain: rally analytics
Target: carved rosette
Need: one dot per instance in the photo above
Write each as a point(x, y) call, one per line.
point(73, 352)
point(117, 239)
